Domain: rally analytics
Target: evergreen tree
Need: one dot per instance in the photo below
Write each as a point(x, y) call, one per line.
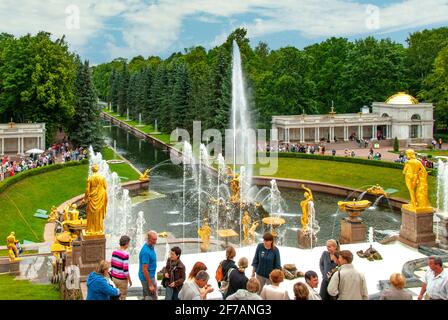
point(123, 89)
point(179, 98)
point(85, 128)
point(114, 84)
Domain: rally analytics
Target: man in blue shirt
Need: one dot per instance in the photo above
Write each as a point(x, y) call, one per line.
point(147, 267)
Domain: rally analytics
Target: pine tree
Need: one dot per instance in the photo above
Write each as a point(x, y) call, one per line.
point(85, 129)
point(114, 83)
point(123, 89)
point(179, 99)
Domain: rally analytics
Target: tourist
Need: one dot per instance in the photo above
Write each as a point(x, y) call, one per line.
point(440, 143)
point(147, 267)
point(434, 143)
point(328, 263)
point(347, 283)
point(301, 291)
point(266, 259)
point(396, 291)
point(311, 282)
point(333, 152)
point(353, 153)
point(435, 282)
point(197, 289)
point(224, 267)
point(250, 293)
point(198, 266)
point(120, 267)
point(273, 291)
point(98, 288)
point(174, 276)
point(237, 277)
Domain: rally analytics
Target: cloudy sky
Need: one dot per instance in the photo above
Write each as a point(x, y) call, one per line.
point(101, 30)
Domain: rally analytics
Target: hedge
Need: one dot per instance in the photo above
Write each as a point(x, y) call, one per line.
point(32, 172)
point(378, 163)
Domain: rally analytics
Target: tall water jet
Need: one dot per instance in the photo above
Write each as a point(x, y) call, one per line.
point(243, 144)
point(187, 157)
point(442, 186)
point(140, 233)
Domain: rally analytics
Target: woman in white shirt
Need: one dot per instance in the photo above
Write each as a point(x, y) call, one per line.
point(273, 291)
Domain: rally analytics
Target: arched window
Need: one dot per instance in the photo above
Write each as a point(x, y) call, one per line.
point(385, 115)
point(416, 117)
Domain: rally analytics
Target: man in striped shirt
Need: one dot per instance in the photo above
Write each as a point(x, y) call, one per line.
point(120, 267)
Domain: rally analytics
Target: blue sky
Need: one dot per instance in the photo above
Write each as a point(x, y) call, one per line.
point(100, 30)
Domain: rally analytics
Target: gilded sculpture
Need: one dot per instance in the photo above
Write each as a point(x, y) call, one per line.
point(417, 183)
point(204, 233)
point(96, 200)
point(246, 222)
point(235, 188)
point(304, 205)
point(53, 214)
point(11, 245)
point(145, 176)
point(252, 229)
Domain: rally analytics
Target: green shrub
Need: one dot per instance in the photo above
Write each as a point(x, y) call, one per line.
point(32, 172)
point(377, 163)
point(396, 145)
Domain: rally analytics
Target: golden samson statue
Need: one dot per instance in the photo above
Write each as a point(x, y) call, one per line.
point(96, 200)
point(417, 183)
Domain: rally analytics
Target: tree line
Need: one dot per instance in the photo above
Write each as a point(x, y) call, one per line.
point(42, 81)
point(196, 84)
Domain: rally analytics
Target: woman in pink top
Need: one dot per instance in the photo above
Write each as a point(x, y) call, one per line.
point(120, 267)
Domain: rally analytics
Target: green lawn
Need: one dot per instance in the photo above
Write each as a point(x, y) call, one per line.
point(20, 201)
point(124, 171)
point(11, 289)
point(434, 153)
point(146, 128)
point(351, 175)
point(4, 253)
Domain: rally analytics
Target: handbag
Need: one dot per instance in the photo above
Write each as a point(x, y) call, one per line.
point(225, 283)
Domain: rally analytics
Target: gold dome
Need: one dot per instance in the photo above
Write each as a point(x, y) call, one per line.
point(401, 98)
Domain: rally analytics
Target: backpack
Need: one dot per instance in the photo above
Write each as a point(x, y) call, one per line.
point(219, 276)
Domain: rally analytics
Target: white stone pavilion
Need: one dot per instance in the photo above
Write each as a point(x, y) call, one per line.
point(17, 138)
point(401, 116)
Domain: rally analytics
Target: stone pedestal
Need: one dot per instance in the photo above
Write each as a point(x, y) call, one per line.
point(306, 240)
point(11, 267)
point(87, 253)
point(417, 228)
point(352, 231)
point(443, 231)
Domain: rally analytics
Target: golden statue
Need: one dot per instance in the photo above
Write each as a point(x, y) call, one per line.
point(73, 213)
point(304, 205)
point(96, 200)
point(246, 222)
point(417, 184)
point(204, 233)
point(377, 190)
point(53, 214)
point(235, 188)
point(11, 244)
point(145, 176)
point(67, 213)
point(252, 229)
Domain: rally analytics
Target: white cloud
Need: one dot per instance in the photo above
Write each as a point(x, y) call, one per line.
point(154, 27)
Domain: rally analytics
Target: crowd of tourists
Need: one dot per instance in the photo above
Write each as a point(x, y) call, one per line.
point(60, 152)
point(423, 159)
point(339, 279)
